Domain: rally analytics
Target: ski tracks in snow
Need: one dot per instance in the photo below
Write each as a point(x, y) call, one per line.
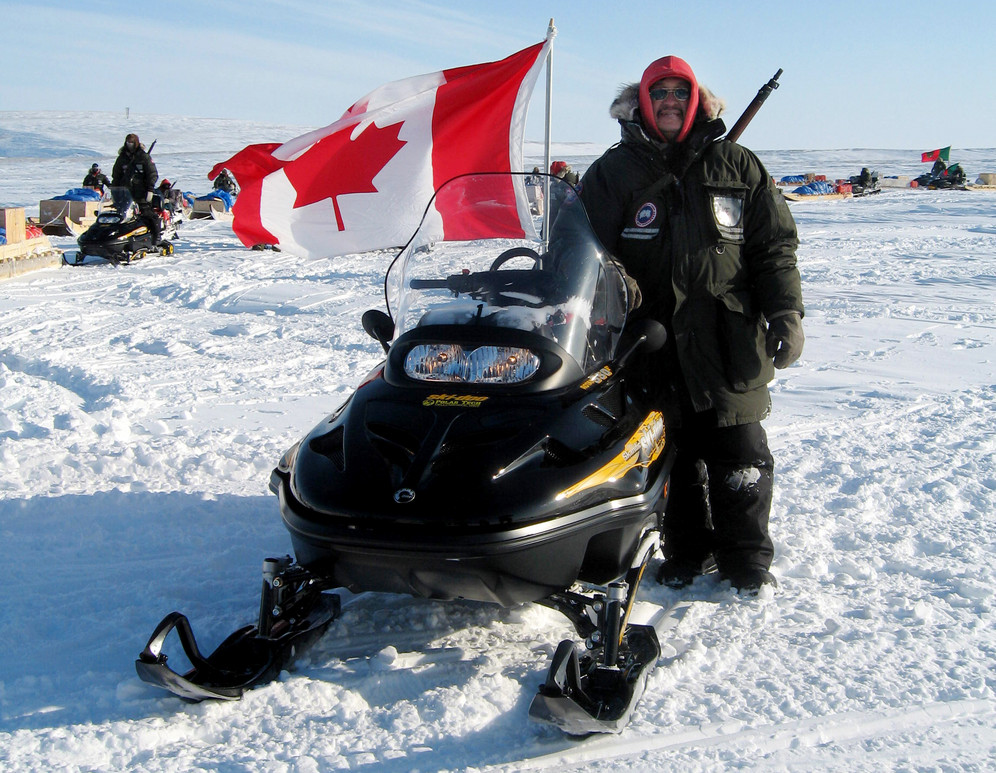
point(800, 745)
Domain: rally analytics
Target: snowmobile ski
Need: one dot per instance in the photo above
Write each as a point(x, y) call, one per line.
point(294, 613)
point(582, 696)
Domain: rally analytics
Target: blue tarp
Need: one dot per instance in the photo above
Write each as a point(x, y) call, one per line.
point(78, 194)
point(794, 178)
point(3, 235)
point(223, 195)
point(816, 188)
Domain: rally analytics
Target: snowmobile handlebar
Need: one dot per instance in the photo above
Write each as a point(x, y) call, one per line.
point(457, 283)
point(478, 282)
point(748, 115)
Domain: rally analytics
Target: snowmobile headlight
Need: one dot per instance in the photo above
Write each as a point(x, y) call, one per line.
point(483, 365)
point(436, 362)
point(286, 462)
point(501, 365)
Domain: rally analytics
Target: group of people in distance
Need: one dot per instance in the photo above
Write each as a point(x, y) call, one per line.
point(135, 170)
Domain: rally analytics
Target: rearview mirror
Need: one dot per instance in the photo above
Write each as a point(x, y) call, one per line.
point(379, 326)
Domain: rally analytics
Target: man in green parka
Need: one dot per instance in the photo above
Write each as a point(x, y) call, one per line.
point(709, 246)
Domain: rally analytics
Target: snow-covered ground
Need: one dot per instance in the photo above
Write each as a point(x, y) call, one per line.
point(143, 408)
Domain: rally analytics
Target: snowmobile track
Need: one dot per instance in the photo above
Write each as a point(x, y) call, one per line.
point(839, 729)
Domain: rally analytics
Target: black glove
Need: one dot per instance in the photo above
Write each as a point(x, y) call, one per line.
point(633, 295)
point(784, 338)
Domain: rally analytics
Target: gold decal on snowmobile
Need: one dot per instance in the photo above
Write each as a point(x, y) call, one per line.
point(454, 401)
point(641, 450)
point(597, 378)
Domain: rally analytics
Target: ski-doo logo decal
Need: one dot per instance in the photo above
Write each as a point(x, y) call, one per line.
point(454, 401)
point(597, 378)
point(641, 450)
point(404, 495)
point(646, 215)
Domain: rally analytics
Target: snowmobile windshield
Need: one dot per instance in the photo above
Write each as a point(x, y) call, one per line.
point(478, 260)
point(122, 201)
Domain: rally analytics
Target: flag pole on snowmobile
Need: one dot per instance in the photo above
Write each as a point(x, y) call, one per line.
point(753, 107)
point(551, 33)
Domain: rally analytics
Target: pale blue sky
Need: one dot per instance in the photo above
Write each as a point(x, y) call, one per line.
point(858, 74)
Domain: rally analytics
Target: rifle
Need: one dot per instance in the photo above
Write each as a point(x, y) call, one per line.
point(753, 107)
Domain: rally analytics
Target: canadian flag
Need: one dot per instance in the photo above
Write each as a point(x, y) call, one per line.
point(363, 182)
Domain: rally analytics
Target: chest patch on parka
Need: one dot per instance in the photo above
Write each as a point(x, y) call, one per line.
point(645, 215)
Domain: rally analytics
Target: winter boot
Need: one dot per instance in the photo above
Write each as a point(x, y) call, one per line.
point(679, 573)
point(749, 581)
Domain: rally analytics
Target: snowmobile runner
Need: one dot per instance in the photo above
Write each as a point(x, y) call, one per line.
point(122, 235)
point(499, 453)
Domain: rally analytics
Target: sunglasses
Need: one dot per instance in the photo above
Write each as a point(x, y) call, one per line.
point(681, 93)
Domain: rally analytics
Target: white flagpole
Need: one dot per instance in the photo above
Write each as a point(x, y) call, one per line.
point(551, 33)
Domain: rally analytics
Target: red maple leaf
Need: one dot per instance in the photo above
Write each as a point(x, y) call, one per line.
point(337, 165)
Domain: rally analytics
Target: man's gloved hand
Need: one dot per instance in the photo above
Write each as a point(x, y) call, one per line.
point(784, 338)
point(633, 295)
point(148, 197)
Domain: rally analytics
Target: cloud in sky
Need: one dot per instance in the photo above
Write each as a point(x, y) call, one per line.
point(885, 74)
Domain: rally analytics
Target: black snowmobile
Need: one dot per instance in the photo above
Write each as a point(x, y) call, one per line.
point(499, 453)
point(948, 178)
point(865, 183)
point(122, 235)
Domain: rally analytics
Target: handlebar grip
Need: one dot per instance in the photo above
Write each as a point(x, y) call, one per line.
point(456, 283)
point(428, 284)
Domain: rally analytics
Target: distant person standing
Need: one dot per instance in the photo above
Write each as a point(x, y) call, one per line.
point(135, 170)
point(563, 170)
point(96, 179)
point(534, 191)
point(225, 181)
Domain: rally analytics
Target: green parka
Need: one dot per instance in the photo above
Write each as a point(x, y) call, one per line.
point(709, 239)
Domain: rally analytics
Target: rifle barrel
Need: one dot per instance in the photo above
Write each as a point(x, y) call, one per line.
point(753, 107)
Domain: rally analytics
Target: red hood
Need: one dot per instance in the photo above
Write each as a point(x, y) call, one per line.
point(668, 67)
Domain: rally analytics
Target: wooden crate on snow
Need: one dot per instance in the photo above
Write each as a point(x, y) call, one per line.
point(28, 255)
point(12, 221)
point(209, 208)
point(53, 213)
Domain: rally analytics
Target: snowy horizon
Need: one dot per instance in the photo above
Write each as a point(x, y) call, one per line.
point(61, 145)
point(144, 407)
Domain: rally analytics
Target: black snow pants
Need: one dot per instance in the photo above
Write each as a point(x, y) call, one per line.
point(720, 495)
point(151, 219)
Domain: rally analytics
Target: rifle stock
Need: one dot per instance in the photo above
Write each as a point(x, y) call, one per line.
point(753, 107)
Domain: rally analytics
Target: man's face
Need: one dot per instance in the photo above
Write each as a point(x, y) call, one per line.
point(669, 112)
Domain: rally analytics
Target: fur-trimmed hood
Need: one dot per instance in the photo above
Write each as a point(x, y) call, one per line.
point(626, 106)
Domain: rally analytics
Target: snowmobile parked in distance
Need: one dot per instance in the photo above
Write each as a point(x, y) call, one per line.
point(951, 177)
point(122, 235)
point(500, 453)
point(865, 183)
